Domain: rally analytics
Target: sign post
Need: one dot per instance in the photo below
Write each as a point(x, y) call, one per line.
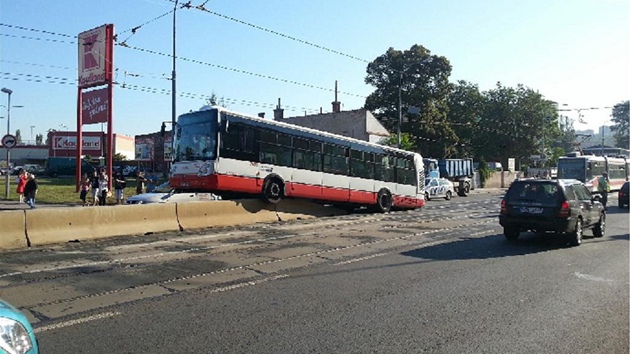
point(9, 141)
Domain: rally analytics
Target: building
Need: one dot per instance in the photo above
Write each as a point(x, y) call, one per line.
point(153, 151)
point(358, 124)
point(64, 144)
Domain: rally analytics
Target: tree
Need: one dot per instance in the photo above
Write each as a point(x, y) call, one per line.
point(39, 139)
point(621, 126)
point(515, 122)
point(119, 157)
point(420, 80)
point(465, 106)
point(405, 141)
point(18, 137)
point(214, 100)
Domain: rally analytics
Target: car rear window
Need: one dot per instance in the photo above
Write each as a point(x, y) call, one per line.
point(535, 192)
point(625, 187)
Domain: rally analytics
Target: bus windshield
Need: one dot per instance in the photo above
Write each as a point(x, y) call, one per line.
point(196, 137)
point(572, 169)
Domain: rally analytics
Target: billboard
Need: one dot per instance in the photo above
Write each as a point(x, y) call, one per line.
point(168, 149)
point(94, 106)
point(144, 149)
point(69, 142)
point(95, 56)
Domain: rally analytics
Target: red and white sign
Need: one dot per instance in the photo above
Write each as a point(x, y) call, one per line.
point(94, 105)
point(91, 143)
point(9, 141)
point(95, 56)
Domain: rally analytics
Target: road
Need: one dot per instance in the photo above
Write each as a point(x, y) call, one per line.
point(437, 280)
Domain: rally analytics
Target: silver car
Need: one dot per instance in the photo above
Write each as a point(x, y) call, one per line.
point(165, 194)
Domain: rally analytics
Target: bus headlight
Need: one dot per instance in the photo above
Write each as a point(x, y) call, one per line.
point(14, 338)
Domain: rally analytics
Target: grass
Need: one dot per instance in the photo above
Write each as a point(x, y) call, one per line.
point(61, 191)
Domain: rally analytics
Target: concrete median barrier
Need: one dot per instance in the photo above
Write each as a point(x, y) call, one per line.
point(12, 230)
point(197, 215)
point(291, 209)
point(46, 226)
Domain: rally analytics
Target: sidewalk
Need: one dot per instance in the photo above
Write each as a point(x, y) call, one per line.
point(14, 205)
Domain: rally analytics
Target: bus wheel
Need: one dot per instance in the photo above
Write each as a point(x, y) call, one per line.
point(384, 201)
point(273, 190)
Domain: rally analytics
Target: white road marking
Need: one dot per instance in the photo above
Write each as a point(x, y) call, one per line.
point(77, 321)
point(592, 277)
point(248, 283)
point(360, 259)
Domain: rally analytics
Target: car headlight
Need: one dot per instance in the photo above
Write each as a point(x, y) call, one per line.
point(14, 338)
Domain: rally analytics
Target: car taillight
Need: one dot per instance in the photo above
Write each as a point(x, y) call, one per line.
point(503, 207)
point(565, 210)
point(622, 194)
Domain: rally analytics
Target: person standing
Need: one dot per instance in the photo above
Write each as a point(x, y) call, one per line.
point(94, 185)
point(85, 187)
point(21, 183)
point(30, 190)
point(119, 185)
point(140, 181)
point(603, 187)
point(103, 187)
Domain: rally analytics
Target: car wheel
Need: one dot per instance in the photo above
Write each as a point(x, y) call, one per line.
point(600, 228)
point(448, 195)
point(273, 190)
point(426, 196)
point(511, 233)
point(575, 238)
point(384, 201)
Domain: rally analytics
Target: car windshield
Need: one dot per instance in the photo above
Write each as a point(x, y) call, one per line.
point(162, 188)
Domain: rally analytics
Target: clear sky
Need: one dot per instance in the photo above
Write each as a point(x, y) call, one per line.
point(574, 52)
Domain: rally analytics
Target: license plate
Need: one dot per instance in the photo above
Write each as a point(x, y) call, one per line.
point(531, 210)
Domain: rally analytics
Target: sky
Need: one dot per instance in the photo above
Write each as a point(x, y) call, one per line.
point(252, 53)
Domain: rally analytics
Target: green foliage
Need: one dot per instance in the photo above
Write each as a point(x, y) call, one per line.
point(421, 80)
point(484, 171)
point(405, 141)
point(119, 157)
point(621, 127)
point(39, 139)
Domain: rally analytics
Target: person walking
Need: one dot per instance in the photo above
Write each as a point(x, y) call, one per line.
point(30, 190)
point(119, 186)
point(21, 183)
point(103, 187)
point(85, 187)
point(94, 185)
point(603, 187)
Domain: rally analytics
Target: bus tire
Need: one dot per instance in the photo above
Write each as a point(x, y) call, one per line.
point(384, 201)
point(273, 189)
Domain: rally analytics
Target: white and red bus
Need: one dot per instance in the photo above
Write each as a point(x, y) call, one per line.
point(588, 168)
point(227, 153)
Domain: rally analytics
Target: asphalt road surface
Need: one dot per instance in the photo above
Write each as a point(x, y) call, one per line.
point(437, 280)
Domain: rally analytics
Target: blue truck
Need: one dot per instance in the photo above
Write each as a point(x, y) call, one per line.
point(458, 171)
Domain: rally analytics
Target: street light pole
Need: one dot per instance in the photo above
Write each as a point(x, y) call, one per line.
point(174, 83)
point(8, 92)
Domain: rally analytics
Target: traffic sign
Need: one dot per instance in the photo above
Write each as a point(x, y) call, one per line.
point(9, 141)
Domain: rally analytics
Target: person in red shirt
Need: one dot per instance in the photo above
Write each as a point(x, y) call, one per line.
point(21, 183)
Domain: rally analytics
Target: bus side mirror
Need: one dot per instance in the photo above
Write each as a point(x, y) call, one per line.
point(163, 129)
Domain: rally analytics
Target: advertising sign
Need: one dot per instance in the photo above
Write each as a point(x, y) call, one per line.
point(168, 149)
point(69, 142)
point(144, 149)
point(95, 56)
point(94, 105)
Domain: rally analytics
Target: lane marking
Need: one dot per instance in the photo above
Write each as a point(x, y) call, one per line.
point(360, 259)
point(77, 321)
point(248, 283)
point(592, 277)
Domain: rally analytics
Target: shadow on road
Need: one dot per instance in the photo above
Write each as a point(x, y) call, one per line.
point(494, 246)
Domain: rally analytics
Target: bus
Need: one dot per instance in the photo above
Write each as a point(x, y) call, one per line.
point(232, 154)
point(588, 168)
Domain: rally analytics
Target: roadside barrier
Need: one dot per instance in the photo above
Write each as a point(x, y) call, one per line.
point(45, 226)
point(196, 215)
point(36, 227)
point(12, 230)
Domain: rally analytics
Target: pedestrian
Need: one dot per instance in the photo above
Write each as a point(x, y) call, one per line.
point(30, 190)
point(94, 185)
point(603, 187)
point(21, 183)
point(103, 187)
point(85, 187)
point(140, 181)
point(119, 185)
